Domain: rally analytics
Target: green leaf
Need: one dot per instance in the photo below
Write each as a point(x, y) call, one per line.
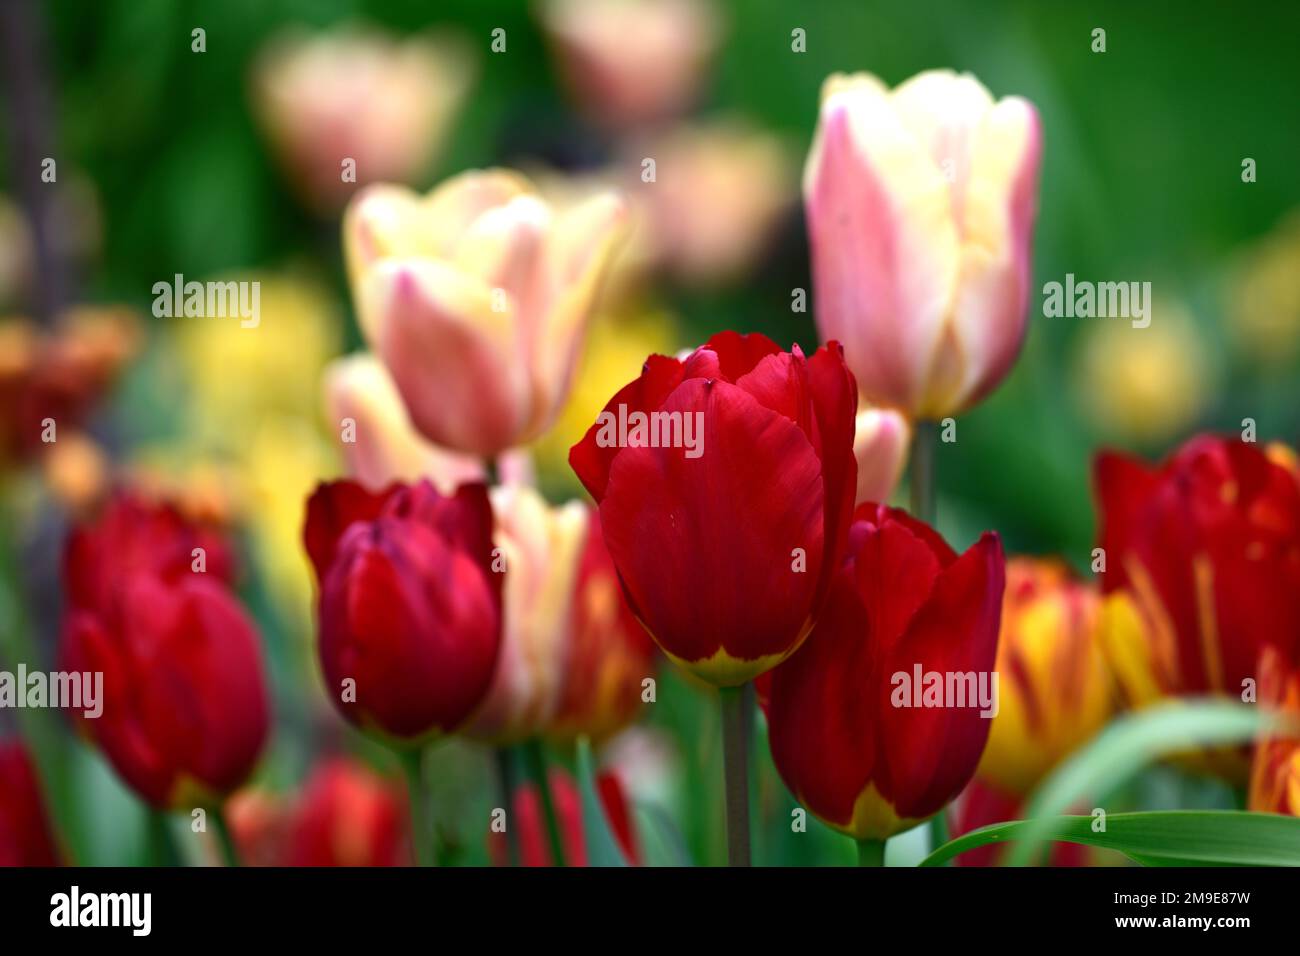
point(1159, 838)
point(1125, 747)
point(659, 841)
point(602, 848)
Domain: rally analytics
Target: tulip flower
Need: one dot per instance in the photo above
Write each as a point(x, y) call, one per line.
point(477, 297)
point(862, 730)
point(725, 546)
point(410, 604)
point(58, 377)
point(349, 816)
point(384, 104)
point(1054, 684)
point(345, 815)
point(529, 824)
point(540, 546)
point(920, 205)
point(629, 63)
point(185, 709)
point(610, 655)
point(1275, 773)
point(26, 838)
point(880, 441)
point(982, 805)
point(1202, 570)
point(385, 447)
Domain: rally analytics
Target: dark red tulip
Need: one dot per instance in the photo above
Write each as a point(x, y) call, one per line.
point(410, 606)
point(724, 546)
point(1204, 552)
point(530, 824)
point(185, 710)
point(865, 750)
point(25, 835)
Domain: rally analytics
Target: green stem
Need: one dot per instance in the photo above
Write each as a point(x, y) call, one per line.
point(921, 483)
point(421, 820)
point(506, 781)
point(924, 508)
point(229, 852)
point(535, 761)
point(871, 853)
point(938, 828)
point(162, 845)
point(736, 717)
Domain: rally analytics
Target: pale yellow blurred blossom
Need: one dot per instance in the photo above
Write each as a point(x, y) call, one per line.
point(628, 63)
point(1145, 384)
point(358, 95)
point(540, 545)
point(1263, 298)
point(377, 440)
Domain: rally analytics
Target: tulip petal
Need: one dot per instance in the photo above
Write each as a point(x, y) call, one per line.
point(720, 577)
point(885, 246)
point(590, 459)
point(931, 753)
point(458, 362)
point(332, 508)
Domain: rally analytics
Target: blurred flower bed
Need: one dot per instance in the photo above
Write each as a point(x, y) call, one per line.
point(367, 586)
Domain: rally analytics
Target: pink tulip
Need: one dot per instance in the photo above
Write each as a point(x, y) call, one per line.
point(880, 444)
point(921, 203)
point(476, 297)
point(629, 63)
point(358, 94)
point(380, 445)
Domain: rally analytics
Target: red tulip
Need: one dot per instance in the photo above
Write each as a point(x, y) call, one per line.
point(185, 710)
point(346, 815)
point(25, 835)
point(410, 606)
point(724, 545)
point(983, 804)
point(1202, 563)
point(530, 824)
point(862, 746)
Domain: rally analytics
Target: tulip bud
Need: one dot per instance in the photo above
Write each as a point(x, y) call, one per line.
point(529, 823)
point(540, 546)
point(1275, 773)
point(410, 605)
point(476, 297)
point(385, 447)
point(725, 510)
point(357, 106)
point(1053, 683)
point(184, 712)
point(349, 816)
point(25, 835)
point(1202, 572)
point(880, 441)
point(920, 206)
point(629, 64)
point(880, 718)
point(611, 653)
